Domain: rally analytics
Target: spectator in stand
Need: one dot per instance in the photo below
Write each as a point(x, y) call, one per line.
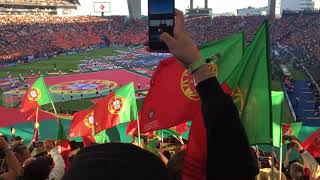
point(42, 168)
point(13, 167)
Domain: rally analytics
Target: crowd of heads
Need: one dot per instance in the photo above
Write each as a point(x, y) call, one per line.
point(51, 159)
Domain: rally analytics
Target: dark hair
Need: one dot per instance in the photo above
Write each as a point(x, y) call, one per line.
point(17, 138)
point(167, 154)
point(38, 169)
point(20, 149)
point(175, 166)
point(113, 158)
point(73, 145)
point(5, 138)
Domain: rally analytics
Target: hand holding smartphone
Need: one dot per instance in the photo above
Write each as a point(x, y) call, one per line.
point(161, 19)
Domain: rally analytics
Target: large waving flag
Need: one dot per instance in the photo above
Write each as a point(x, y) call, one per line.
point(116, 108)
point(173, 99)
point(250, 83)
point(37, 95)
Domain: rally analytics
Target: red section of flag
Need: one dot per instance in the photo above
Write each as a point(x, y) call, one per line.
point(27, 104)
point(312, 144)
point(88, 141)
point(132, 129)
point(82, 124)
point(286, 130)
point(225, 87)
point(194, 166)
point(172, 99)
point(181, 128)
point(103, 118)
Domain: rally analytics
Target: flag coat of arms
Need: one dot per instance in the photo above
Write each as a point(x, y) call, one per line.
point(82, 123)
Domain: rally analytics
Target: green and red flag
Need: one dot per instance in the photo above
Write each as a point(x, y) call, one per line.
point(250, 83)
point(277, 104)
point(36, 95)
point(172, 98)
point(82, 124)
point(116, 108)
point(292, 129)
point(63, 143)
point(312, 144)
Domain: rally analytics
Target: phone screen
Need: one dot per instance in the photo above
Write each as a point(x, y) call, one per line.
point(161, 19)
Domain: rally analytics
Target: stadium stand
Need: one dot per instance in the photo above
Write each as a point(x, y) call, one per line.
point(25, 35)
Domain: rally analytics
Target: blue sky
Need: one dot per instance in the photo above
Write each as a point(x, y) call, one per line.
point(119, 7)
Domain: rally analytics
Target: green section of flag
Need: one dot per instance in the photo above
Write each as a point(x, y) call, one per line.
point(251, 83)
point(296, 127)
point(129, 112)
point(61, 135)
point(277, 104)
point(42, 90)
point(230, 50)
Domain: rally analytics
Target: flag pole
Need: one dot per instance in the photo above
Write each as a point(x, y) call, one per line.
point(36, 126)
point(54, 108)
point(272, 166)
point(280, 161)
point(139, 141)
point(280, 155)
point(162, 136)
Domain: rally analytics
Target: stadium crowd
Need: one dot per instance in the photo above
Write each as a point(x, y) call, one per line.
point(47, 160)
point(25, 35)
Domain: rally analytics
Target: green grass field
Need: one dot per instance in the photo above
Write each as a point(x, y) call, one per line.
point(63, 63)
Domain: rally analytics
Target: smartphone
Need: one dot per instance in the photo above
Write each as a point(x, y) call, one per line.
point(161, 19)
point(286, 137)
point(263, 158)
point(291, 145)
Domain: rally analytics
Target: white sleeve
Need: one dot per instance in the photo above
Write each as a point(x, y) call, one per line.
point(58, 170)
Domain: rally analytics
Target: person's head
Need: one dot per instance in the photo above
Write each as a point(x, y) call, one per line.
point(73, 145)
point(5, 138)
point(175, 166)
point(107, 161)
point(18, 140)
point(38, 169)
point(22, 153)
point(296, 171)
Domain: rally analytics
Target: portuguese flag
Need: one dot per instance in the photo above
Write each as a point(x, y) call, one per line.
point(250, 85)
point(82, 124)
point(37, 95)
point(63, 142)
point(173, 98)
point(292, 129)
point(277, 104)
point(116, 108)
point(312, 144)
